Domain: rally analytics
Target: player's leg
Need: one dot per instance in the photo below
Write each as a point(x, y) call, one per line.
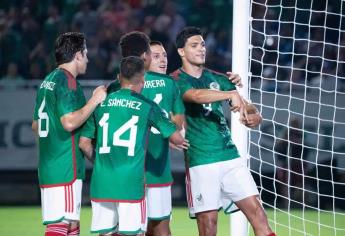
point(158, 210)
point(132, 218)
point(253, 210)
point(207, 222)
point(203, 194)
point(53, 211)
point(104, 218)
point(238, 185)
point(73, 205)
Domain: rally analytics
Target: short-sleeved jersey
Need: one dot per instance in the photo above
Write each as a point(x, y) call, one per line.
point(122, 123)
point(60, 159)
point(161, 89)
point(207, 131)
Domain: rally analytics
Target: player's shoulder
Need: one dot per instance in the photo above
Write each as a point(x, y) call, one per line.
point(214, 73)
point(143, 98)
point(150, 75)
point(113, 86)
point(176, 75)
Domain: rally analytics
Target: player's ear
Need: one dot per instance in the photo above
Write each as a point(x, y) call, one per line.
point(180, 52)
point(78, 56)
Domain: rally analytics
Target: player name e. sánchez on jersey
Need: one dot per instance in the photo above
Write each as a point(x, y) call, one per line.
point(116, 102)
point(154, 83)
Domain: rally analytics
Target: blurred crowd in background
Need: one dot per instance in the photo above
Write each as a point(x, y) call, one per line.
point(300, 43)
point(28, 29)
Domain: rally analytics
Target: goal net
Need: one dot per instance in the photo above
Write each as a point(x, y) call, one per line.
point(297, 80)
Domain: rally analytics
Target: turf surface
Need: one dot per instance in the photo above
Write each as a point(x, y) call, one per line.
point(26, 221)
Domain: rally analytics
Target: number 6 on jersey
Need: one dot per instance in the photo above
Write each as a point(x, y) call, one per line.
point(117, 141)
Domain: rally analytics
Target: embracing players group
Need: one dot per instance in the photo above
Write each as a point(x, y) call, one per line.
point(126, 130)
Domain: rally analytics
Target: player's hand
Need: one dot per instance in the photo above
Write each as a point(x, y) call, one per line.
point(235, 79)
point(236, 102)
point(99, 94)
point(252, 120)
point(184, 146)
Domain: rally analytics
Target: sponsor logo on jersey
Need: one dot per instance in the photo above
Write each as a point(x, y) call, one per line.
point(214, 86)
point(48, 85)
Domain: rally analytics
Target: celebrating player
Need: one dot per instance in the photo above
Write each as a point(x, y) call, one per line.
point(212, 152)
point(60, 111)
point(161, 89)
point(122, 122)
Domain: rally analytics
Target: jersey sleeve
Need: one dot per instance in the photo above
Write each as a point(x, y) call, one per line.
point(225, 83)
point(66, 99)
point(178, 107)
point(158, 120)
point(89, 128)
point(35, 116)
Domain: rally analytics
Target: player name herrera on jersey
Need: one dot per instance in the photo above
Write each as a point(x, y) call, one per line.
point(154, 83)
point(48, 85)
point(122, 103)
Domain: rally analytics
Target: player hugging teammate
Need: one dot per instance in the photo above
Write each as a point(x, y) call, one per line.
point(126, 132)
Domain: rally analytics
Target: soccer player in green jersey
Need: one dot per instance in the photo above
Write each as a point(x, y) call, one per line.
point(123, 122)
point(60, 112)
point(212, 152)
point(163, 90)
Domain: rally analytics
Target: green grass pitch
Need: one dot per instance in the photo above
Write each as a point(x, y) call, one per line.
point(26, 221)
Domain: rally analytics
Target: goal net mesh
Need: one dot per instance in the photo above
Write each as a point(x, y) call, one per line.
point(297, 81)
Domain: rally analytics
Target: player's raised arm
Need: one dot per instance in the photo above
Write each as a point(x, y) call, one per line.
point(74, 120)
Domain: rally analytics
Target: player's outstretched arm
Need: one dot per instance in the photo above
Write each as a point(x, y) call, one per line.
point(85, 145)
point(74, 120)
point(202, 96)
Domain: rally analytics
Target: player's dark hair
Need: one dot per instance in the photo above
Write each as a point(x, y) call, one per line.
point(153, 43)
point(131, 66)
point(67, 45)
point(186, 33)
point(134, 43)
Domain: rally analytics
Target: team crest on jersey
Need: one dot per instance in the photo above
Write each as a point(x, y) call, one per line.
point(214, 86)
point(199, 200)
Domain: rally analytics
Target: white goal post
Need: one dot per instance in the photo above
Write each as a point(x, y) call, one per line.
point(291, 55)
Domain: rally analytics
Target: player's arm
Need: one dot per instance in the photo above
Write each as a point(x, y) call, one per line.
point(166, 127)
point(202, 96)
point(87, 138)
point(75, 119)
point(34, 127)
point(86, 146)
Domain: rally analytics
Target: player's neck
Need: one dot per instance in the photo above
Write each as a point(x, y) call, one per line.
point(193, 70)
point(70, 68)
point(132, 87)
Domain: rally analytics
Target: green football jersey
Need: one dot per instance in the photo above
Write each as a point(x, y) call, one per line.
point(122, 123)
point(163, 90)
point(207, 131)
point(60, 159)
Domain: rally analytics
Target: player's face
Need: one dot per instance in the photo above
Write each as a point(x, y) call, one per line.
point(82, 61)
point(194, 50)
point(159, 62)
